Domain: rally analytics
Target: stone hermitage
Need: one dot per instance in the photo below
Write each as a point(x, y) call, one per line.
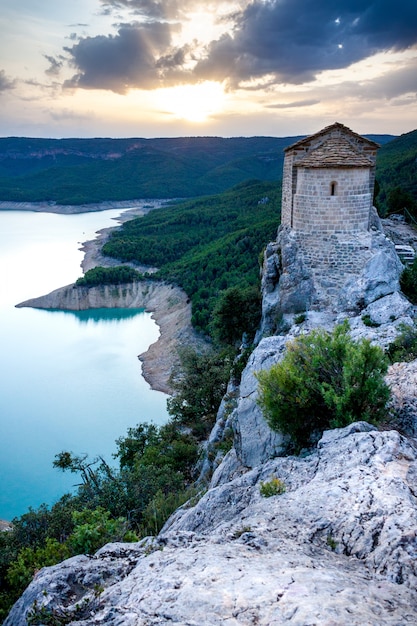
point(331, 252)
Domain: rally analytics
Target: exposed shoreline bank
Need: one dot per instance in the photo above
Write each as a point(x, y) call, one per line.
point(69, 209)
point(169, 305)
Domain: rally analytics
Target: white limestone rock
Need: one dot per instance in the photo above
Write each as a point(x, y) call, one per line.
point(402, 380)
point(287, 286)
point(389, 308)
point(254, 441)
point(379, 276)
point(338, 547)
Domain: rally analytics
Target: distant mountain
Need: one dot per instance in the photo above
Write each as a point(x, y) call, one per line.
point(77, 171)
point(396, 173)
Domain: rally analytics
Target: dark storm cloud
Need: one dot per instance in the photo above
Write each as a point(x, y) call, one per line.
point(295, 39)
point(6, 83)
point(273, 41)
point(122, 61)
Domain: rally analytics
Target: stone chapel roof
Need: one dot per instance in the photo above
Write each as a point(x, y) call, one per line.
point(334, 146)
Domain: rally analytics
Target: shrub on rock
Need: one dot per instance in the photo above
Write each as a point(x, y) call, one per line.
point(325, 380)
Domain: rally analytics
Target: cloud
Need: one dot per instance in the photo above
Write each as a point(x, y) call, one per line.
point(394, 84)
point(293, 105)
point(55, 65)
point(151, 9)
point(296, 39)
point(285, 41)
point(125, 60)
point(6, 83)
point(390, 86)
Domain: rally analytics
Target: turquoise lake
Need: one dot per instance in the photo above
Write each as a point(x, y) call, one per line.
point(68, 380)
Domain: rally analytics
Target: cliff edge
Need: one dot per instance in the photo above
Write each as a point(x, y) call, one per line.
point(337, 546)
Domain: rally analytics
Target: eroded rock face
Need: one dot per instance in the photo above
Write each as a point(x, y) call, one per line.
point(402, 379)
point(254, 441)
point(287, 285)
point(338, 547)
point(171, 310)
point(316, 274)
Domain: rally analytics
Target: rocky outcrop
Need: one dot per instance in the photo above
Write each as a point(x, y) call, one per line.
point(338, 547)
point(402, 380)
point(335, 273)
point(255, 442)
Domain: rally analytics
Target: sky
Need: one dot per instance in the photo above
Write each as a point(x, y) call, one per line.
point(169, 68)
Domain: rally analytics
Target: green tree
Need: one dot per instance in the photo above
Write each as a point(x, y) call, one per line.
point(237, 311)
point(399, 199)
point(119, 275)
point(199, 384)
point(325, 380)
point(408, 281)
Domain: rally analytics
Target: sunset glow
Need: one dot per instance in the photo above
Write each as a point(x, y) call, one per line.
point(224, 67)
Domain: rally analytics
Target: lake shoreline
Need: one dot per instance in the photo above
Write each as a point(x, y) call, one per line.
point(70, 209)
point(174, 322)
point(169, 305)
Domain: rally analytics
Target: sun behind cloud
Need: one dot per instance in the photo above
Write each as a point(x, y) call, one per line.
point(194, 103)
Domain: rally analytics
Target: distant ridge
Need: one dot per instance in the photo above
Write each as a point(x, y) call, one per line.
point(79, 171)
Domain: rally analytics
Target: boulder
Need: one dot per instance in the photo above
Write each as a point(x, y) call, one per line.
point(389, 308)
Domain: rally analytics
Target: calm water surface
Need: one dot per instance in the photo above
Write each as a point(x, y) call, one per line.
point(68, 380)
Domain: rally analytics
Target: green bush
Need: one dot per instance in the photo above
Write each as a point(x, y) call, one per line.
point(408, 281)
point(325, 380)
point(21, 571)
point(404, 347)
point(273, 487)
point(199, 384)
point(238, 311)
point(95, 528)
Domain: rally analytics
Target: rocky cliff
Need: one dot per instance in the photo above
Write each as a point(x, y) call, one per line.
point(338, 546)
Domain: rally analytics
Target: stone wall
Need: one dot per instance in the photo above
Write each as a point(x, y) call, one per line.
point(287, 190)
point(316, 210)
point(331, 259)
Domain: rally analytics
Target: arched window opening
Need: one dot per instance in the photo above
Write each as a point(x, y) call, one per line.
point(333, 187)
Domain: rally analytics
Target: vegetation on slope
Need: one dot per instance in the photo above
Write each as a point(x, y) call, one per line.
point(119, 275)
point(396, 173)
point(325, 380)
point(206, 246)
point(75, 171)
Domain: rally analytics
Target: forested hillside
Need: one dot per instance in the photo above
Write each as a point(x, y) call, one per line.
point(78, 171)
point(205, 245)
point(396, 174)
